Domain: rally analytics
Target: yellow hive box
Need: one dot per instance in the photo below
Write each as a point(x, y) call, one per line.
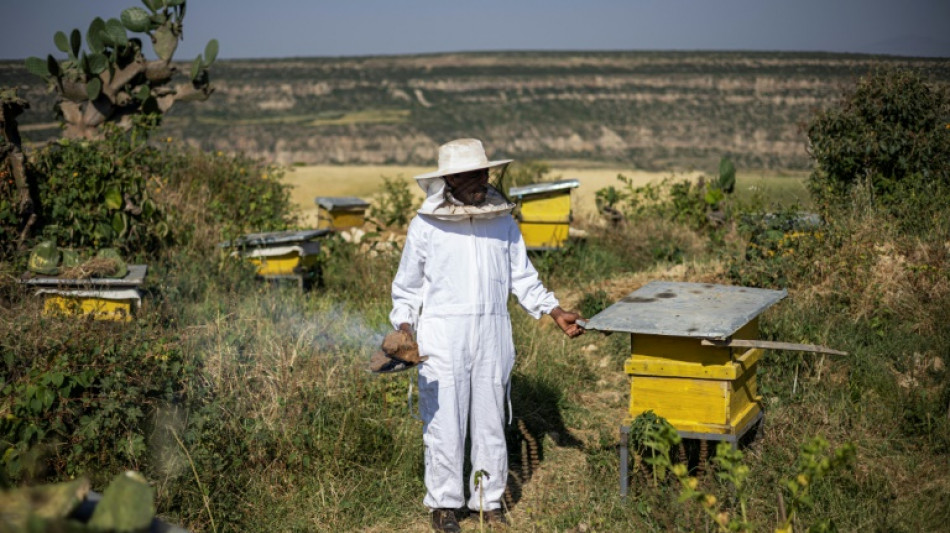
point(120, 305)
point(279, 255)
point(698, 389)
point(544, 213)
point(99, 298)
point(284, 260)
point(707, 392)
point(340, 212)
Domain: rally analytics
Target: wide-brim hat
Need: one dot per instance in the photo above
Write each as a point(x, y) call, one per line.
point(462, 155)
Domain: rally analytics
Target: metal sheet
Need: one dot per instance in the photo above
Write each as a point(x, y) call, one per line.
point(134, 278)
point(274, 238)
point(541, 188)
point(700, 310)
point(340, 202)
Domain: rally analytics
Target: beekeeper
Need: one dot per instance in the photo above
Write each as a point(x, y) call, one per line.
point(463, 256)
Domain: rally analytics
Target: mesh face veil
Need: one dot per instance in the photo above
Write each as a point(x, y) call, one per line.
point(460, 191)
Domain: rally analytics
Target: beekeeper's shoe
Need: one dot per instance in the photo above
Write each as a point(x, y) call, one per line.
point(443, 520)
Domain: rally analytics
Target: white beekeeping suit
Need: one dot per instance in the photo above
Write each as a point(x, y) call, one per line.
point(459, 265)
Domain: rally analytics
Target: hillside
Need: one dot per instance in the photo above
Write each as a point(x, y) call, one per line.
point(649, 110)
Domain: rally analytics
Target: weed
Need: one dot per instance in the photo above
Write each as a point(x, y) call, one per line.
point(394, 205)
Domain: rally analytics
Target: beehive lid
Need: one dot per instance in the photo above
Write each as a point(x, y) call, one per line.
point(542, 188)
point(274, 238)
point(340, 202)
point(701, 310)
point(134, 278)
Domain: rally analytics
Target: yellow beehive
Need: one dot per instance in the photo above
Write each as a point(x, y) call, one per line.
point(292, 255)
point(340, 212)
point(285, 261)
point(99, 298)
point(707, 392)
point(544, 213)
point(118, 305)
point(699, 389)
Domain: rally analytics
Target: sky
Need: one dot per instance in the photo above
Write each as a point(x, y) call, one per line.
point(306, 28)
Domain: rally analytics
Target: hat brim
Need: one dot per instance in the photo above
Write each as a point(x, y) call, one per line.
point(447, 171)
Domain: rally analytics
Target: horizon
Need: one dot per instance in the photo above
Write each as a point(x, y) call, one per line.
point(553, 52)
point(299, 28)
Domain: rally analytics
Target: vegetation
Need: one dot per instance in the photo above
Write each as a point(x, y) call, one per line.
point(248, 407)
point(394, 205)
point(18, 208)
point(890, 134)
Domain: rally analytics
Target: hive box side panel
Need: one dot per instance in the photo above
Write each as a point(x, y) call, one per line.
point(552, 208)
point(687, 399)
point(543, 235)
point(283, 265)
point(98, 308)
point(744, 394)
point(691, 404)
point(340, 218)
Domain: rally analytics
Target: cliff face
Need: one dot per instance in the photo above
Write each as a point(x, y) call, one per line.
point(649, 110)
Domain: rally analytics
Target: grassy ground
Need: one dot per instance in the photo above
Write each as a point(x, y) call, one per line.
point(249, 407)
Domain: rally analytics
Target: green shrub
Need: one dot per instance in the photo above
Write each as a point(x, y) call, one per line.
point(521, 173)
point(891, 133)
point(395, 205)
point(703, 205)
point(78, 398)
point(9, 221)
point(778, 246)
point(221, 196)
point(94, 194)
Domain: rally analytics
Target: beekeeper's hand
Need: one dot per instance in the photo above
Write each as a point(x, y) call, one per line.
point(567, 321)
point(399, 344)
point(398, 352)
point(405, 326)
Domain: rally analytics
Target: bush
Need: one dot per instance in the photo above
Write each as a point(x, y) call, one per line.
point(215, 196)
point(705, 206)
point(77, 404)
point(94, 194)
point(892, 133)
point(394, 206)
point(521, 173)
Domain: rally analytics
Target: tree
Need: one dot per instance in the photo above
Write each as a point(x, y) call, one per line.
point(892, 132)
point(13, 168)
point(113, 81)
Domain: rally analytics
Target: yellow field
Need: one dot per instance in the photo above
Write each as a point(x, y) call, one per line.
point(364, 181)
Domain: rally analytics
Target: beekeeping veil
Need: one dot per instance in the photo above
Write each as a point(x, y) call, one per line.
point(461, 155)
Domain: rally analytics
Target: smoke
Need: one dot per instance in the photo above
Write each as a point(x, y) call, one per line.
point(269, 347)
point(327, 328)
point(166, 454)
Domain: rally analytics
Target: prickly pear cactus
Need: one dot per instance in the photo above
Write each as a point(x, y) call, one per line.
point(127, 504)
point(41, 506)
point(111, 80)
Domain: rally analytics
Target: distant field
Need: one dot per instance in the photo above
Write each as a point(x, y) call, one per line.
point(364, 181)
point(369, 116)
